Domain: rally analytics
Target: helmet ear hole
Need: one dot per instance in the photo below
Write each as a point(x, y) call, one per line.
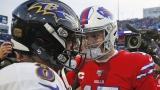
point(40, 41)
point(44, 42)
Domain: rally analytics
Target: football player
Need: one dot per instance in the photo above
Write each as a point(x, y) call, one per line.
point(45, 33)
point(105, 67)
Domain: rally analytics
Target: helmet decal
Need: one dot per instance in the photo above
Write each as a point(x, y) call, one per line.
point(104, 12)
point(17, 32)
point(84, 16)
point(59, 12)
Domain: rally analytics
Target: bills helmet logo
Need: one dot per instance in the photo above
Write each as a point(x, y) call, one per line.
point(104, 12)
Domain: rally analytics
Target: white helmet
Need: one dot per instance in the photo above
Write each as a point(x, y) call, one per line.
point(96, 18)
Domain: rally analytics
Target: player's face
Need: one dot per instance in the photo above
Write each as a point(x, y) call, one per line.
point(72, 42)
point(94, 37)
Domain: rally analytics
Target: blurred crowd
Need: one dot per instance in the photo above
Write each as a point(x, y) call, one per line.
point(144, 23)
point(4, 37)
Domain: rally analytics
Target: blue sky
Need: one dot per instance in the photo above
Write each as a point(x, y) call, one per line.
point(127, 8)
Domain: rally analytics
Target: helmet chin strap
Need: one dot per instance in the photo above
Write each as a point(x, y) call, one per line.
point(69, 87)
point(107, 51)
point(96, 53)
point(40, 52)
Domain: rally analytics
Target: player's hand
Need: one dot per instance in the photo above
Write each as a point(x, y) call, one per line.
point(5, 49)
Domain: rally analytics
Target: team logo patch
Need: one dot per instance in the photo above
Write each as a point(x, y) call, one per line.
point(45, 73)
point(81, 75)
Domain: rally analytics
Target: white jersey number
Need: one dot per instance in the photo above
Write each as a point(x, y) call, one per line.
point(89, 87)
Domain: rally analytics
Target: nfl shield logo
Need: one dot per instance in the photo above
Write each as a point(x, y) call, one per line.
point(99, 72)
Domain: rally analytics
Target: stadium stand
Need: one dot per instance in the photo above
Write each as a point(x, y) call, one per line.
point(4, 37)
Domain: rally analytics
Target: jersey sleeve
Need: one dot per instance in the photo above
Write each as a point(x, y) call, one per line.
point(148, 84)
point(157, 82)
point(145, 69)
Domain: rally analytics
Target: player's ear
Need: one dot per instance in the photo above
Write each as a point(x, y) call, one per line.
point(19, 57)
